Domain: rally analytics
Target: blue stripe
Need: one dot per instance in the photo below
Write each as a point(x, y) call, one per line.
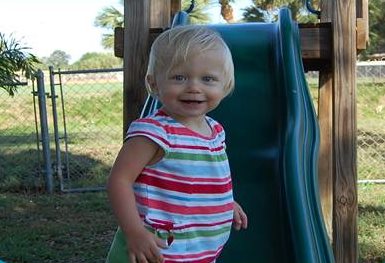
point(190, 198)
point(186, 219)
point(193, 169)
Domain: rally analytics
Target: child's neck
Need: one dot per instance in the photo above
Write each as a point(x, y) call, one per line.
point(196, 124)
point(199, 126)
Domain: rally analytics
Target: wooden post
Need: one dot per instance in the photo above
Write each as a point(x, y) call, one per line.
point(325, 117)
point(344, 132)
point(136, 34)
point(140, 16)
point(362, 24)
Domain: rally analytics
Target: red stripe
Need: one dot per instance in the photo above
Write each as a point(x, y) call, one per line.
point(187, 132)
point(217, 127)
point(196, 147)
point(203, 225)
point(182, 130)
point(163, 222)
point(175, 146)
point(151, 172)
point(190, 257)
point(185, 210)
point(137, 133)
point(185, 187)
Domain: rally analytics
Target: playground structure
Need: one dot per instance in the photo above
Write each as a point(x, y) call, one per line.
point(329, 47)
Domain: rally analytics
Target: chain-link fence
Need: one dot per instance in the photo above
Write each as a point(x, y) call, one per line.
point(83, 113)
point(371, 121)
point(20, 157)
point(84, 116)
point(87, 109)
point(370, 95)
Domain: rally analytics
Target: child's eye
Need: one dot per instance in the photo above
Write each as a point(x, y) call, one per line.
point(208, 79)
point(178, 78)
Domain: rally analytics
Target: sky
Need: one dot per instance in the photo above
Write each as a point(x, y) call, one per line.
point(68, 25)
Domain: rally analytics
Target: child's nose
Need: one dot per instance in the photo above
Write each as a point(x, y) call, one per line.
point(193, 86)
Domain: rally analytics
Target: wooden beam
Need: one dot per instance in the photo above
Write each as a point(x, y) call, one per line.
point(160, 13)
point(315, 44)
point(362, 13)
point(118, 42)
point(344, 133)
point(362, 38)
point(176, 5)
point(325, 119)
point(137, 15)
point(142, 16)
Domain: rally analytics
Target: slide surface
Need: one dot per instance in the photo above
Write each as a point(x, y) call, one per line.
point(272, 139)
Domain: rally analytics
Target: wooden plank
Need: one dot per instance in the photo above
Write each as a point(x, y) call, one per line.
point(119, 37)
point(315, 40)
point(316, 46)
point(344, 115)
point(137, 15)
point(142, 16)
point(362, 14)
point(325, 118)
point(119, 42)
point(362, 41)
point(160, 13)
point(315, 43)
point(325, 160)
point(176, 5)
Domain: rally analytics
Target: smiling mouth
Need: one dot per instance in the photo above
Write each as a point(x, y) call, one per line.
point(192, 101)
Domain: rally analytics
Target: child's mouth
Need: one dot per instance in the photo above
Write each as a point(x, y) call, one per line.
point(192, 101)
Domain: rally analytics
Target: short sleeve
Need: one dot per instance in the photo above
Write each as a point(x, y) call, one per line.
point(151, 129)
point(219, 130)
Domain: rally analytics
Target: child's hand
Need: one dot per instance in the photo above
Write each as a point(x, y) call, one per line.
point(240, 217)
point(143, 247)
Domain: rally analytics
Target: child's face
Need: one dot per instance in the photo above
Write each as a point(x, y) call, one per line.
point(193, 88)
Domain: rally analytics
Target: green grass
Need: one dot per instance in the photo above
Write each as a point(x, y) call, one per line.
point(79, 227)
point(55, 228)
point(93, 115)
point(73, 228)
point(371, 222)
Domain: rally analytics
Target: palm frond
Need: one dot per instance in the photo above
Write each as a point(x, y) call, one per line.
point(15, 62)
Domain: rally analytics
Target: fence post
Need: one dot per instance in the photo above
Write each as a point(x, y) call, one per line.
point(59, 168)
point(44, 131)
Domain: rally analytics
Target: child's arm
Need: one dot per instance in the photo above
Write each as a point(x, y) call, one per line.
point(240, 217)
point(136, 152)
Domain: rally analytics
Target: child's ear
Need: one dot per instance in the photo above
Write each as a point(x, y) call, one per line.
point(152, 83)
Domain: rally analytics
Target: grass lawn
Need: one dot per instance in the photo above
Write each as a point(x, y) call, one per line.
point(55, 228)
point(74, 228)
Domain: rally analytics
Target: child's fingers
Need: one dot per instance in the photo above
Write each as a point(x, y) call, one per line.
point(243, 217)
point(161, 243)
point(240, 217)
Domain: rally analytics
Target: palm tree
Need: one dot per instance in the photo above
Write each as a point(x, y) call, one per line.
point(266, 10)
point(111, 17)
point(227, 11)
point(15, 62)
point(198, 14)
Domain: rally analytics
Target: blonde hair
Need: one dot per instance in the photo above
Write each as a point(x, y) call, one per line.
point(178, 44)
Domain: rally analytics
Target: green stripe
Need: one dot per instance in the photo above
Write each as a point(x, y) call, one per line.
point(197, 157)
point(202, 233)
point(192, 234)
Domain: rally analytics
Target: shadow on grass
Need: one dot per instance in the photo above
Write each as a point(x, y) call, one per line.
point(378, 209)
point(55, 228)
point(22, 171)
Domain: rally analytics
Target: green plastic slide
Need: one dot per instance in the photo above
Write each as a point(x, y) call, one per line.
point(272, 138)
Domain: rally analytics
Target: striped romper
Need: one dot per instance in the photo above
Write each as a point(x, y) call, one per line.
point(185, 198)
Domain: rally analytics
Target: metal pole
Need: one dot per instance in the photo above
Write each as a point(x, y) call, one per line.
point(56, 128)
point(44, 130)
